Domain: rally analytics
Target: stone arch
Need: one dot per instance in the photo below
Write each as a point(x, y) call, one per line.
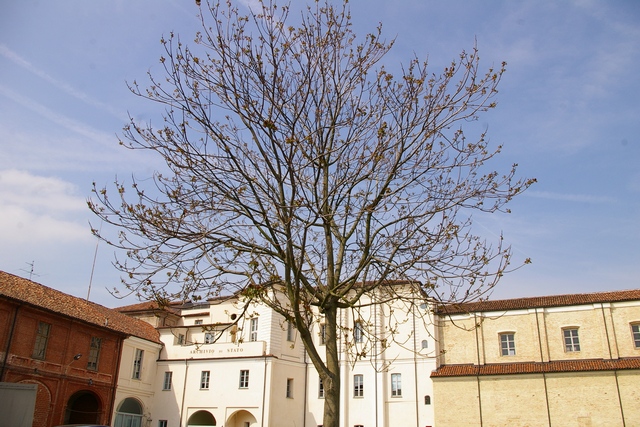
point(241, 418)
point(201, 418)
point(83, 407)
point(129, 413)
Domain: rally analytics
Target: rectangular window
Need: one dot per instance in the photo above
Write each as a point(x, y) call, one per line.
point(137, 364)
point(396, 385)
point(204, 380)
point(635, 330)
point(358, 386)
point(290, 331)
point(253, 329)
point(94, 353)
point(162, 423)
point(180, 339)
point(166, 385)
point(209, 338)
point(507, 344)
point(198, 322)
point(357, 332)
point(320, 389)
point(244, 378)
point(571, 340)
point(323, 333)
point(290, 388)
point(42, 336)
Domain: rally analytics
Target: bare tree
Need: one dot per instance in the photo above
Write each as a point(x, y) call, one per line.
point(304, 175)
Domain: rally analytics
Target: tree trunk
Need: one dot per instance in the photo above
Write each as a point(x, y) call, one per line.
point(331, 383)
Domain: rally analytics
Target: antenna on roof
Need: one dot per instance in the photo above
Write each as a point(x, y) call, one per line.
point(31, 268)
point(93, 265)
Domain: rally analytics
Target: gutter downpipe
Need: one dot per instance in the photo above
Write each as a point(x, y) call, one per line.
point(375, 361)
point(306, 386)
point(115, 386)
point(615, 371)
point(9, 341)
point(184, 389)
point(544, 374)
point(264, 389)
point(476, 327)
point(415, 364)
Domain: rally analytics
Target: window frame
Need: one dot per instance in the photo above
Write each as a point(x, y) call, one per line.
point(396, 385)
point(41, 341)
point(136, 374)
point(320, 389)
point(507, 343)
point(289, 393)
point(358, 385)
point(253, 329)
point(209, 338)
point(358, 332)
point(574, 336)
point(290, 331)
point(244, 379)
point(167, 382)
point(94, 353)
point(205, 379)
point(162, 423)
point(635, 335)
point(323, 334)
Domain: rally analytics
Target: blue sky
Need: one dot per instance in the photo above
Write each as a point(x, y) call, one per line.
point(568, 114)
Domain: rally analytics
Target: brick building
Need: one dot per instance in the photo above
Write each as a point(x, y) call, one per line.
point(569, 360)
point(69, 347)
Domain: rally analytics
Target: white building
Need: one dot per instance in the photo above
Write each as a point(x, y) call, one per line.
point(256, 373)
point(136, 382)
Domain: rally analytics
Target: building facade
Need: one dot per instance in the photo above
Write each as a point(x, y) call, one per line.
point(571, 360)
point(70, 348)
point(214, 370)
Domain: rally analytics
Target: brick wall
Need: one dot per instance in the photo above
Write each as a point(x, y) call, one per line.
point(59, 375)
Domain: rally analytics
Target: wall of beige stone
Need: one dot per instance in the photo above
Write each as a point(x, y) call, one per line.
point(575, 400)
point(604, 333)
point(455, 401)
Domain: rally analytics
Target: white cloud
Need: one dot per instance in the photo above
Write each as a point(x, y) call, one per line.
point(35, 208)
point(59, 119)
point(17, 59)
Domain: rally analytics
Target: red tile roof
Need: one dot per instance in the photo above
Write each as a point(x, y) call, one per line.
point(536, 367)
point(545, 301)
point(32, 293)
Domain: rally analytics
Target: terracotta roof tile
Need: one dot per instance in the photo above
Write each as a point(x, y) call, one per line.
point(37, 295)
point(536, 367)
point(544, 301)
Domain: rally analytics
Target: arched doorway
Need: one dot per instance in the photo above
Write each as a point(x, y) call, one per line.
point(201, 418)
point(241, 418)
point(129, 413)
point(83, 407)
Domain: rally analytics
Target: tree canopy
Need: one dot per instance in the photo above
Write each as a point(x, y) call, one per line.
point(303, 174)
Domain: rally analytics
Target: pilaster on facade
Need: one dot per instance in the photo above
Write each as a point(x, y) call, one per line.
point(559, 360)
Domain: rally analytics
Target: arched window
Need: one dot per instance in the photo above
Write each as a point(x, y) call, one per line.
point(427, 400)
point(425, 344)
point(129, 413)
